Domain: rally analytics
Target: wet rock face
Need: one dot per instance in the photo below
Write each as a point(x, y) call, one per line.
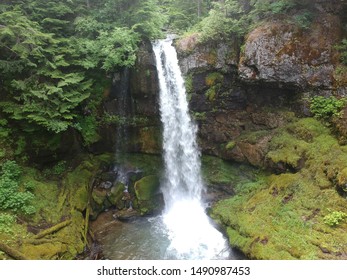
point(132, 109)
point(144, 86)
point(281, 53)
point(238, 100)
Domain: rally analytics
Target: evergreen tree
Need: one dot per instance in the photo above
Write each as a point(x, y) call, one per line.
point(54, 55)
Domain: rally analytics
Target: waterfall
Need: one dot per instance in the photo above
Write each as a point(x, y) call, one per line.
point(190, 232)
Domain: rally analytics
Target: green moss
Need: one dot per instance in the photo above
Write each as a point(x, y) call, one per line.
point(56, 199)
point(211, 93)
point(148, 163)
point(213, 79)
point(147, 190)
point(253, 137)
point(218, 171)
point(147, 187)
point(189, 83)
point(230, 145)
point(287, 148)
point(199, 116)
point(285, 216)
point(117, 195)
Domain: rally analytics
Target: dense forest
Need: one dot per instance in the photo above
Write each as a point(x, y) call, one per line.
point(58, 61)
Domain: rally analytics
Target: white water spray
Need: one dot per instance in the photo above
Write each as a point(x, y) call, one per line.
point(190, 232)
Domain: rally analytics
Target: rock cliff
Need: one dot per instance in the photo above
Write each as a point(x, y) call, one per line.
point(239, 94)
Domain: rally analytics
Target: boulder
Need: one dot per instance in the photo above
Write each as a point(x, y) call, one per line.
point(149, 197)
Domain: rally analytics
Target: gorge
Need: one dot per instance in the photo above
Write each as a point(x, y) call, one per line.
point(264, 120)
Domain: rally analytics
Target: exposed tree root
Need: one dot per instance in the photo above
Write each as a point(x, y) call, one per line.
point(13, 253)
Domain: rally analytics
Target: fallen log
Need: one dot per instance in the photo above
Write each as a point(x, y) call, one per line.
point(13, 253)
point(52, 229)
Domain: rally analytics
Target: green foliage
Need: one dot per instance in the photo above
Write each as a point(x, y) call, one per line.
point(122, 120)
point(326, 107)
point(21, 144)
point(211, 93)
point(265, 8)
point(225, 19)
point(304, 19)
point(237, 17)
point(11, 197)
point(6, 221)
point(59, 168)
point(334, 218)
point(4, 130)
point(213, 78)
point(39, 88)
point(199, 116)
point(110, 50)
point(11, 170)
point(182, 14)
point(342, 47)
point(88, 126)
point(56, 171)
point(53, 55)
point(142, 17)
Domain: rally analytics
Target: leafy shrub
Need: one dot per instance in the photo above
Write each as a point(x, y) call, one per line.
point(59, 168)
point(6, 221)
point(326, 107)
point(56, 170)
point(11, 170)
point(334, 218)
point(11, 198)
point(88, 126)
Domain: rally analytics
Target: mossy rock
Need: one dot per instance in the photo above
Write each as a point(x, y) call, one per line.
point(147, 191)
point(116, 195)
point(57, 199)
point(147, 187)
point(282, 216)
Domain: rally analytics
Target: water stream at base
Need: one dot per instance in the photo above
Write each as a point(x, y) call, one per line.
point(141, 239)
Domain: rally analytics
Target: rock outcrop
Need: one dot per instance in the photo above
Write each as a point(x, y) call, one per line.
point(282, 53)
point(239, 97)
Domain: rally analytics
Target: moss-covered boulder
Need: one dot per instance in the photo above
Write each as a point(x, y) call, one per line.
point(149, 198)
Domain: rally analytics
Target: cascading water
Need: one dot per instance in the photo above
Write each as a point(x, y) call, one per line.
point(190, 232)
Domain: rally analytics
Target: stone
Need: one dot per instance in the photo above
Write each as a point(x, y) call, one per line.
point(213, 55)
point(281, 53)
point(148, 194)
